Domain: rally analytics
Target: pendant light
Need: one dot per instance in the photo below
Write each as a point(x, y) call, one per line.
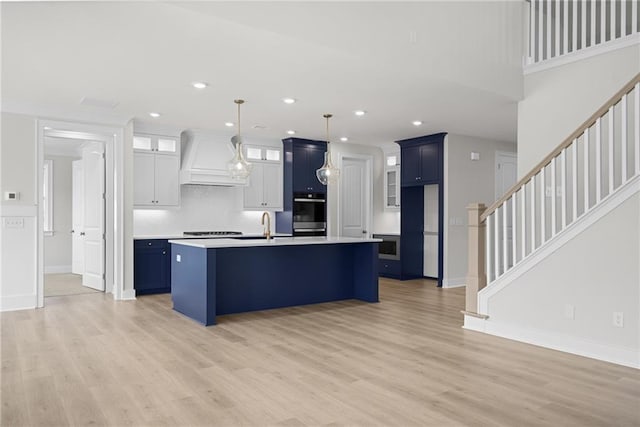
point(327, 173)
point(238, 167)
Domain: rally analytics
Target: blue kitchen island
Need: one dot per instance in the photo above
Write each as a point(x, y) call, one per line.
point(211, 277)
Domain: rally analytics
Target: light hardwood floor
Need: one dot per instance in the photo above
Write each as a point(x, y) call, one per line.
point(405, 361)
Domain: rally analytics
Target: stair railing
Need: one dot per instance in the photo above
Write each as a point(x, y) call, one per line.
point(584, 170)
point(559, 27)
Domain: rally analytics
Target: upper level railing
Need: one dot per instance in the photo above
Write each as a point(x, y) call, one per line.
point(559, 27)
point(584, 170)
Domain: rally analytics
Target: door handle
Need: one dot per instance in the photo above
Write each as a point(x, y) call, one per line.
point(82, 233)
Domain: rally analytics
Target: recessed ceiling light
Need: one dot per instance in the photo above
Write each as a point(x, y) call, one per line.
point(344, 139)
point(416, 122)
point(229, 124)
point(200, 85)
point(359, 112)
point(291, 132)
point(154, 115)
point(289, 100)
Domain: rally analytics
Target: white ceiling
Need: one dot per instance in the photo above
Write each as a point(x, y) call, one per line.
point(454, 65)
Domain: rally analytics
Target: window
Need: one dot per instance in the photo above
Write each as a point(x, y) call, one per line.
point(47, 197)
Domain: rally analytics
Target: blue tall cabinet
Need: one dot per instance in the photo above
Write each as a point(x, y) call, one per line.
point(422, 161)
point(301, 159)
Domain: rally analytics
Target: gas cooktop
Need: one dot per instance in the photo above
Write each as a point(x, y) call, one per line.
point(212, 233)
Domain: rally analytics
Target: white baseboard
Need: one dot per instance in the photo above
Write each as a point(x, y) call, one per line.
point(128, 294)
point(567, 343)
point(57, 269)
point(18, 302)
point(456, 282)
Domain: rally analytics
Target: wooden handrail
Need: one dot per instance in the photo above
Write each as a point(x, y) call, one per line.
point(579, 131)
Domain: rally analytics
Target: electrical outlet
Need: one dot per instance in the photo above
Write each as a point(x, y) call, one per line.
point(13, 222)
point(569, 312)
point(618, 319)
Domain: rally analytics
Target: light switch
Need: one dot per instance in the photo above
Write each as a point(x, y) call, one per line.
point(178, 258)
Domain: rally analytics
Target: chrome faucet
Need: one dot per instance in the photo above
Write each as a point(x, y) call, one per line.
point(267, 232)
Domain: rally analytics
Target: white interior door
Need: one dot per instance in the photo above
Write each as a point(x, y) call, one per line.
point(354, 197)
point(93, 162)
point(430, 241)
point(77, 218)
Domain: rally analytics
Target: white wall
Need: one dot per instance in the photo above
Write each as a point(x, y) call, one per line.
point(597, 272)
point(18, 279)
point(558, 100)
point(466, 182)
point(57, 248)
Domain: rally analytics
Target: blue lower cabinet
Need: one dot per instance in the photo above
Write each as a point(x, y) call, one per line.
point(152, 266)
point(389, 268)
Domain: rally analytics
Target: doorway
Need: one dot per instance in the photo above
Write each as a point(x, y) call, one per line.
point(73, 220)
point(106, 269)
point(354, 217)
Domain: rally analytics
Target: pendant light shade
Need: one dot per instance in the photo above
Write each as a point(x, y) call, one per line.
point(238, 167)
point(327, 173)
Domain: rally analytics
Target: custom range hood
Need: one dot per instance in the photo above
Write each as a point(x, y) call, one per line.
point(204, 159)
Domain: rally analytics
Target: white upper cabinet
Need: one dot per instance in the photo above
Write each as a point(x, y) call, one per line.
point(156, 165)
point(392, 181)
point(265, 183)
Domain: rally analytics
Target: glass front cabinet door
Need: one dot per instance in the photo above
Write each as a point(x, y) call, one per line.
point(392, 182)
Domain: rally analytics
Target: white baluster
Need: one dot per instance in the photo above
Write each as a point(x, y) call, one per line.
point(543, 207)
point(523, 227)
point(489, 248)
point(636, 120)
point(586, 170)
point(574, 177)
point(557, 35)
point(563, 200)
point(533, 214)
point(598, 162)
point(565, 28)
point(603, 21)
point(540, 30)
point(532, 32)
point(592, 27)
point(623, 139)
point(611, 152)
point(548, 30)
point(514, 228)
point(634, 16)
point(553, 197)
point(505, 236)
point(623, 18)
point(496, 243)
point(612, 32)
point(574, 40)
point(583, 20)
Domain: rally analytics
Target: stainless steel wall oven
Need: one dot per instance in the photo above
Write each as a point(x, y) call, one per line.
point(309, 214)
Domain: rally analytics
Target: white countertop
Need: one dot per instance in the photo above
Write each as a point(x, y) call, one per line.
point(277, 241)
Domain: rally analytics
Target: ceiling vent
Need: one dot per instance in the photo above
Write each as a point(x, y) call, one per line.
point(98, 103)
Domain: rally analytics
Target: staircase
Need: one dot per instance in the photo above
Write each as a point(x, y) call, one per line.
point(566, 199)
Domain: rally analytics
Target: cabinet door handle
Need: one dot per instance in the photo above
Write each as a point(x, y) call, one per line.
point(149, 244)
point(82, 233)
point(164, 252)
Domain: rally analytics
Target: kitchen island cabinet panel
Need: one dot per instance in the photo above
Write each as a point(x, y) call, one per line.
point(260, 275)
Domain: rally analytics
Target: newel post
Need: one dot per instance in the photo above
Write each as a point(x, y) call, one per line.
point(476, 275)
